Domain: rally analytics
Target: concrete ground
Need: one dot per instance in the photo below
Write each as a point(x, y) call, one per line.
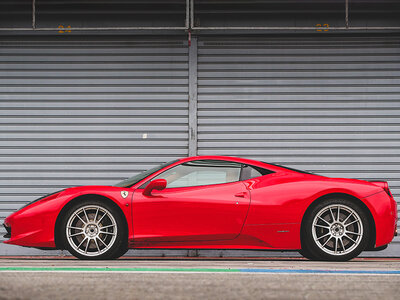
point(132, 278)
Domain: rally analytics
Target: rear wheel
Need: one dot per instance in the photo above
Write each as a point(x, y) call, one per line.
point(336, 230)
point(94, 230)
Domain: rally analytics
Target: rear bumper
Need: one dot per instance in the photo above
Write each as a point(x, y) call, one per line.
point(384, 211)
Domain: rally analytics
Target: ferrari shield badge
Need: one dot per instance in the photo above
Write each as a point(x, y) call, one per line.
point(124, 194)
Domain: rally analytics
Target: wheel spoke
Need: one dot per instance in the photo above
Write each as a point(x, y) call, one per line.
point(338, 213)
point(344, 222)
point(351, 223)
point(323, 236)
point(95, 216)
point(112, 225)
point(76, 228)
point(75, 234)
point(81, 219)
point(326, 242)
point(97, 245)
point(349, 238)
point(87, 245)
point(322, 226)
point(82, 242)
point(98, 222)
point(351, 232)
point(104, 232)
point(324, 220)
point(102, 241)
point(336, 244)
point(333, 217)
point(87, 218)
point(341, 241)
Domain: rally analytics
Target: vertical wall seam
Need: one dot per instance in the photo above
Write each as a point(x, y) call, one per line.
point(193, 97)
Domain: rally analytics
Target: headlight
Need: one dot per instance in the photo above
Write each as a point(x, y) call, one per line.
point(38, 199)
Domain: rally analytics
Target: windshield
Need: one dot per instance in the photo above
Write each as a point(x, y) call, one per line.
point(135, 179)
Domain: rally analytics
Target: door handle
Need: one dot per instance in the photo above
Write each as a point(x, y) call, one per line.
point(241, 195)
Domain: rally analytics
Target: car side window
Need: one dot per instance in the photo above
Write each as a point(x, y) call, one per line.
point(201, 172)
point(249, 172)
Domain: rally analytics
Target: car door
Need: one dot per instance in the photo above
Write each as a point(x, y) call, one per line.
point(203, 201)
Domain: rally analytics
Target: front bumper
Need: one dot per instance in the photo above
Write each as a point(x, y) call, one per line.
point(33, 225)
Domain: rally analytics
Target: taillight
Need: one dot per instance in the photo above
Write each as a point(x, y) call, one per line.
point(384, 185)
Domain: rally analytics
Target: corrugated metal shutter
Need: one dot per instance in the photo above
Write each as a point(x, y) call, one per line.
point(79, 111)
point(327, 104)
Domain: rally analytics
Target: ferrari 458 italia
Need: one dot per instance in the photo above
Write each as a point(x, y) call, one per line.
point(212, 202)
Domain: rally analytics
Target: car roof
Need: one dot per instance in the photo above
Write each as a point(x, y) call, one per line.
point(257, 163)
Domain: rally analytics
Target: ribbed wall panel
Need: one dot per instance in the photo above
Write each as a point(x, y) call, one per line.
point(74, 111)
point(330, 105)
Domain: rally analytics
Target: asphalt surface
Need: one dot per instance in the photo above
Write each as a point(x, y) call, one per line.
point(22, 278)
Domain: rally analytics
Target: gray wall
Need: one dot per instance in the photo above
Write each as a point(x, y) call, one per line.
point(84, 111)
point(94, 110)
point(326, 104)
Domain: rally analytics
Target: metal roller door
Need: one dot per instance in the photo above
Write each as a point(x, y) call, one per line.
point(81, 111)
point(328, 104)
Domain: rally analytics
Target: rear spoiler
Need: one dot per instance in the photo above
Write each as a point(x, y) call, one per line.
point(384, 185)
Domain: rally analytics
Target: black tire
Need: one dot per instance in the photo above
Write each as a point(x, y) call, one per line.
point(307, 254)
point(122, 250)
point(328, 237)
point(95, 226)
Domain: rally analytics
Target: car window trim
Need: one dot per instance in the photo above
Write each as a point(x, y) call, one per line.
point(143, 185)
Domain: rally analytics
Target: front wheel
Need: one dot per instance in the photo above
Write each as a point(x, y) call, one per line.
point(94, 230)
point(335, 230)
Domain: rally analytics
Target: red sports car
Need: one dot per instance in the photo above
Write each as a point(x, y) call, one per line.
point(212, 202)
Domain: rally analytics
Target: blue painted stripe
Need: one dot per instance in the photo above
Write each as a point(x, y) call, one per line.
point(200, 270)
point(299, 271)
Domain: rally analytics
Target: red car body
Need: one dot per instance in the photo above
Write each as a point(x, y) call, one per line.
point(260, 213)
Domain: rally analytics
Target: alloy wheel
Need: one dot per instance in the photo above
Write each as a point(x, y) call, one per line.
point(337, 229)
point(91, 230)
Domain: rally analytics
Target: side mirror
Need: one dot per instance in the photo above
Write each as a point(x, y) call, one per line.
point(158, 184)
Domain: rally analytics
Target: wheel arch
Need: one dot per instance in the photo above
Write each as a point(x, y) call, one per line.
point(57, 227)
point(371, 221)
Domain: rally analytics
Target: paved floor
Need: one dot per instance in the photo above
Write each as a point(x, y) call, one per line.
point(198, 279)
